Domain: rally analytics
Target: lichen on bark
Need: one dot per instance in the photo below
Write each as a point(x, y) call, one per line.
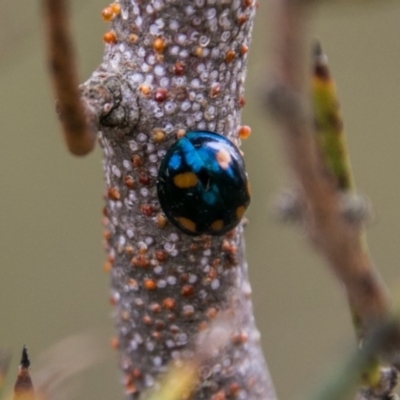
point(180, 66)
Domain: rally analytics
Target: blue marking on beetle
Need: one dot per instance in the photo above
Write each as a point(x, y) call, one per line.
point(175, 161)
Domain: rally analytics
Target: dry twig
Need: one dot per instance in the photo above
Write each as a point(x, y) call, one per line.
point(337, 238)
point(78, 133)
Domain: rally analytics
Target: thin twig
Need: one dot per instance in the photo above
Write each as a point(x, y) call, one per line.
point(333, 236)
point(320, 185)
point(79, 136)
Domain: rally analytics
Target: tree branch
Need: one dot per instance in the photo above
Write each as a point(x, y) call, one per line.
point(169, 67)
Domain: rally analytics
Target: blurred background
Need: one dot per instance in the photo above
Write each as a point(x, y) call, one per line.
point(51, 256)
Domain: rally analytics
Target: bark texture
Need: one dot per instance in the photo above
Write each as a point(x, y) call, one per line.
point(172, 66)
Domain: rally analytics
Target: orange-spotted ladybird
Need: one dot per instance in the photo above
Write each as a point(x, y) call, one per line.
point(202, 184)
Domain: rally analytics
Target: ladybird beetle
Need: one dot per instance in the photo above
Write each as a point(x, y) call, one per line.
point(202, 184)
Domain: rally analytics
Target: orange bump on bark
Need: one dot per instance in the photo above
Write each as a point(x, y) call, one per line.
point(225, 246)
point(136, 373)
point(144, 179)
point(133, 38)
point(129, 182)
point(242, 101)
point(130, 388)
point(233, 389)
point(114, 194)
point(160, 95)
point(146, 209)
point(129, 250)
point(136, 161)
point(156, 335)
point(133, 283)
point(242, 19)
point(158, 135)
point(116, 8)
point(155, 307)
point(244, 49)
point(244, 131)
point(198, 51)
point(180, 133)
point(161, 255)
point(140, 261)
point(169, 303)
point(147, 320)
point(239, 338)
point(179, 68)
point(159, 45)
point(150, 284)
point(107, 13)
point(230, 55)
point(216, 262)
point(110, 37)
point(211, 312)
point(187, 290)
point(215, 90)
point(125, 315)
point(114, 343)
point(161, 221)
point(107, 266)
point(144, 89)
point(219, 396)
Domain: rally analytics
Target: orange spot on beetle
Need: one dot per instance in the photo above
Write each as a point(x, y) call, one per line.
point(185, 180)
point(217, 225)
point(239, 212)
point(187, 223)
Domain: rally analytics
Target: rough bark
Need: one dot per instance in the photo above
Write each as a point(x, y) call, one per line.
point(173, 66)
